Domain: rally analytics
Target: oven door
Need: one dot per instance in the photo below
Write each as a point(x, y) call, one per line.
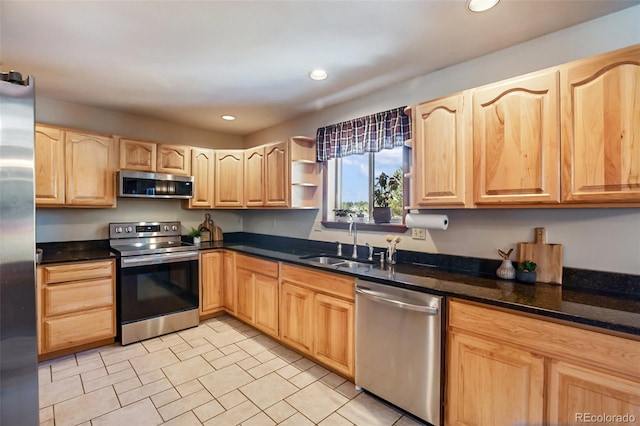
point(156, 285)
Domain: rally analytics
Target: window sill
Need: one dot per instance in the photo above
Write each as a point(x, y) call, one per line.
point(397, 228)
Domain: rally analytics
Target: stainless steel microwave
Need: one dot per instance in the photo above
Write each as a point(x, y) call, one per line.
point(154, 185)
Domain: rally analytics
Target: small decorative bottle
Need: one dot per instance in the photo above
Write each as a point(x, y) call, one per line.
point(506, 271)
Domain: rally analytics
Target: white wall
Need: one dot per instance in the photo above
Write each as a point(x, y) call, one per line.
point(89, 224)
point(598, 239)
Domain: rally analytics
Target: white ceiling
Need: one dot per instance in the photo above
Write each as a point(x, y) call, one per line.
point(191, 62)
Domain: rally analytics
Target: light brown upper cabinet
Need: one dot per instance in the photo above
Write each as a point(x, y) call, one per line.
point(516, 140)
point(202, 170)
point(442, 173)
point(49, 165)
point(153, 157)
point(601, 128)
point(254, 177)
point(276, 160)
point(229, 181)
point(90, 169)
point(266, 171)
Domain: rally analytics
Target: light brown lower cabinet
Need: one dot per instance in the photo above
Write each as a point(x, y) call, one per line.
point(257, 292)
point(317, 316)
point(211, 282)
point(75, 305)
point(505, 368)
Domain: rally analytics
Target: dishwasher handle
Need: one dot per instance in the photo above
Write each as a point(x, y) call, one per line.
point(403, 305)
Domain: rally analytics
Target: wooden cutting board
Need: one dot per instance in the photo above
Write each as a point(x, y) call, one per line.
point(547, 256)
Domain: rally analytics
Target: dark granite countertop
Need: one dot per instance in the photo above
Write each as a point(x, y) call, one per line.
point(611, 312)
point(581, 301)
point(75, 251)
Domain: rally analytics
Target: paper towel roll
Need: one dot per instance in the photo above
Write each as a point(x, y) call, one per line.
point(431, 221)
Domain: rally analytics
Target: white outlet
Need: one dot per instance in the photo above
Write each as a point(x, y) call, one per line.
point(419, 233)
point(317, 226)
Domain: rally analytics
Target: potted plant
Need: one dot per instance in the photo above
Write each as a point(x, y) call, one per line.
point(342, 215)
point(526, 271)
point(195, 235)
point(385, 191)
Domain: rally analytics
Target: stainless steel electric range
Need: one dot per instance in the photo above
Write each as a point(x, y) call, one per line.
point(157, 279)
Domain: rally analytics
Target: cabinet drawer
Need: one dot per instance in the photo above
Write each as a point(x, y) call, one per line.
point(77, 271)
point(323, 282)
point(558, 341)
point(77, 296)
point(72, 330)
point(260, 266)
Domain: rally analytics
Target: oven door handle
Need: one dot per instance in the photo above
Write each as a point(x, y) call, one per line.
point(156, 259)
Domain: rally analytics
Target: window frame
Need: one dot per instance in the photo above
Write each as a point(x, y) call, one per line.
point(367, 226)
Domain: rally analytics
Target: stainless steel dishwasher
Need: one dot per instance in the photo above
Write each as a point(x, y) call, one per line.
point(399, 347)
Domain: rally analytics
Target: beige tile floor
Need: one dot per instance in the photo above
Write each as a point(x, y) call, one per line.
point(220, 373)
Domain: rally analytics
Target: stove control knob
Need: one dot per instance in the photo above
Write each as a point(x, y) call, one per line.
point(166, 227)
point(128, 229)
point(118, 229)
point(174, 228)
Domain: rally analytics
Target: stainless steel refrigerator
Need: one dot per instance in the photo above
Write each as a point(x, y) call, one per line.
point(18, 344)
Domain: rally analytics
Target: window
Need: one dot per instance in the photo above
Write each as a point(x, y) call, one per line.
point(365, 162)
point(358, 177)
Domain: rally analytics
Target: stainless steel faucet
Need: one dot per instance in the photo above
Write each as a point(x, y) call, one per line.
point(353, 229)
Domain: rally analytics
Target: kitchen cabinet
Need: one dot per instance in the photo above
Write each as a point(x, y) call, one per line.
point(254, 170)
point(229, 283)
point(74, 168)
point(601, 128)
point(90, 167)
point(202, 170)
point(137, 155)
point(147, 156)
point(211, 282)
point(317, 316)
point(49, 165)
point(229, 181)
point(75, 305)
point(174, 159)
point(516, 128)
point(496, 369)
point(276, 158)
point(266, 171)
point(257, 292)
point(441, 175)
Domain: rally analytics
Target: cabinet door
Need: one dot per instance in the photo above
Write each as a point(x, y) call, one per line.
point(229, 182)
point(491, 384)
point(601, 128)
point(277, 187)
point(441, 173)
point(254, 177)
point(202, 163)
point(576, 392)
point(137, 155)
point(211, 278)
point(229, 287)
point(266, 304)
point(173, 159)
point(516, 145)
point(90, 170)
point(49, 165)
point(296, 314)
point(334, 339)
point(245, 286)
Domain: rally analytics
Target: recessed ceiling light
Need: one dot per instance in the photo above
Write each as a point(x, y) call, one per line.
point(318, 75)
point(481, 5)
point(228, 117)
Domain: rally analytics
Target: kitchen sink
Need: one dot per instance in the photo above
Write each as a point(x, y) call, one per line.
point(336, 261)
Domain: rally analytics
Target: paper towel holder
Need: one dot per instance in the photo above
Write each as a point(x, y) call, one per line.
point(442, 221)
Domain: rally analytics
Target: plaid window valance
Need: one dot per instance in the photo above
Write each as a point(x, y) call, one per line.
point(373, 133)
